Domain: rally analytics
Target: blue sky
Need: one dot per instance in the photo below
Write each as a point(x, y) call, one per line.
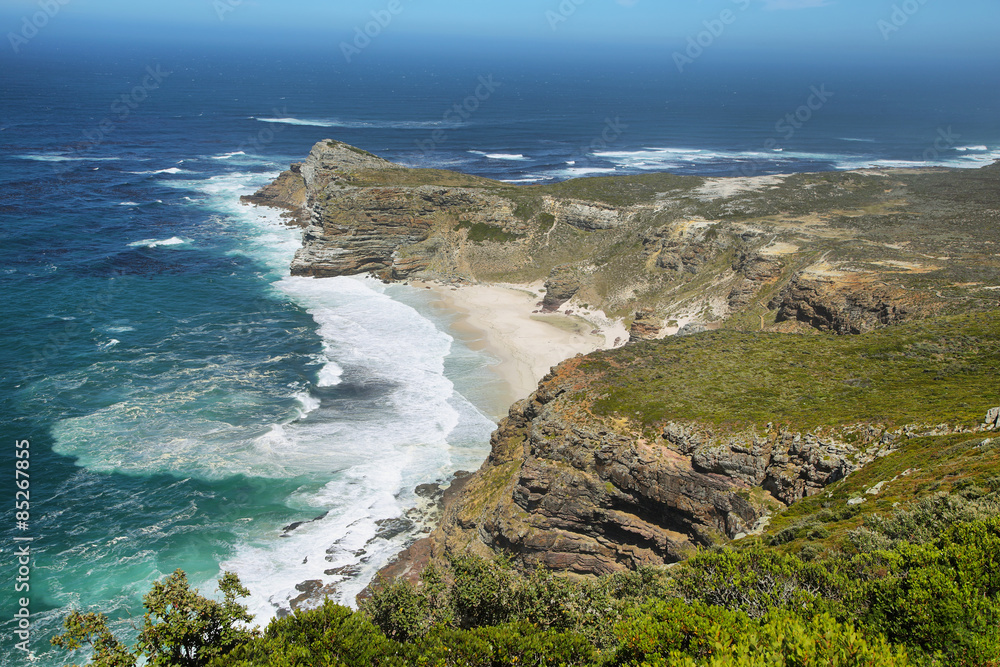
point(926, 27)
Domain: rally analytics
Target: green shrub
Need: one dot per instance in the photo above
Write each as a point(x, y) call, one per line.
point(483, 592)
point(926, 519)
point(943, 597)
point(517, 643)
point(755, 580)
point(331, 635)
point(181, 628)
point(674, 633)
point(480, 232)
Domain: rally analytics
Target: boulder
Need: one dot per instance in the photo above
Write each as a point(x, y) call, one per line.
point(992, 419)
point(561, 286)
point(646, 325)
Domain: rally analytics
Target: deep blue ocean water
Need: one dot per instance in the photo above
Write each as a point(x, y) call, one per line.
point(186, 400)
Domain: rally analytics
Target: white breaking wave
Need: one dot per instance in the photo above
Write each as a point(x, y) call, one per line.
point(171, 170)
point(526, 179)
point(364, 124)
point(500, 156)
point(226, 156)
point(575, 172)
point(968, 161)
point(158, 243)
point(64, 158)
point(665, 159)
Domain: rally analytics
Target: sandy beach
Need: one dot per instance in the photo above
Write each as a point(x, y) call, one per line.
point(526, 341)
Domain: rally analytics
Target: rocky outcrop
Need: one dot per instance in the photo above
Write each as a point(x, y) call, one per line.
point(574, 493)
point(754, 272)
point(687, 247)
point(846, 304)
point(287, 192)
point(332, 161)
point(561, 286)
point(587, 216)
point(364, 214)
point(789, 465)
point(645, 326)
point(358, 230)
point(573, 496)
point(992, 420)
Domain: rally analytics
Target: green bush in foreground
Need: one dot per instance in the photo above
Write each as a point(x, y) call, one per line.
point(930, 602)
point(180, 628)
point(942, 596)
point(678, 634)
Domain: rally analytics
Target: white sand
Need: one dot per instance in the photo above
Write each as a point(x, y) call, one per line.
point(527, 343)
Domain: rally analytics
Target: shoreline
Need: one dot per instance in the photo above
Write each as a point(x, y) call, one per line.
point(526, 342)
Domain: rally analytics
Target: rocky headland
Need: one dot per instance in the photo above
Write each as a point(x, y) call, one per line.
point(642, 454)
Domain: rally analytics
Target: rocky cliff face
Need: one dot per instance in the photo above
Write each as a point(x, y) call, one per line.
point(843, 252)
point(847, 305)
point(573, 492)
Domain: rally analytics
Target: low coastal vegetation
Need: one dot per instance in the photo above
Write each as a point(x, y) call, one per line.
point(917, 586)
point(930, 372)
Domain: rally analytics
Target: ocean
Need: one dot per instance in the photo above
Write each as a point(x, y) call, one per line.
point(190, 405)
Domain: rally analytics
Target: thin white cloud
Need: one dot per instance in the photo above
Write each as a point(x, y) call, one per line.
point(772, 5)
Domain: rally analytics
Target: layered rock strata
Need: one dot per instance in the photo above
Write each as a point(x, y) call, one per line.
point(575, 493)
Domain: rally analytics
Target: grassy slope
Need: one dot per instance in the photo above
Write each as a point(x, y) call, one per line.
point(928, 372)
point(924, 467)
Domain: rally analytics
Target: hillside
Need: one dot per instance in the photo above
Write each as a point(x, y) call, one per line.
point(641, 455)
point(841, 251)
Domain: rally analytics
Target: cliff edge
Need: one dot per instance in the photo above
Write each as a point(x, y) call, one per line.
point(846, 252)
